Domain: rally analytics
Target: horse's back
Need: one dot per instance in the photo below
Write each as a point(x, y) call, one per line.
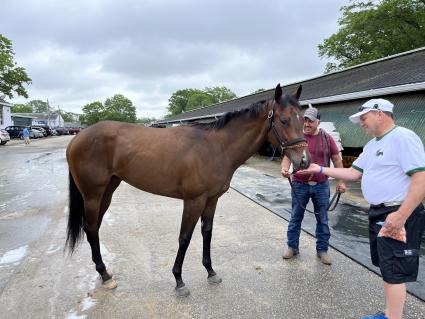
point(164, 161)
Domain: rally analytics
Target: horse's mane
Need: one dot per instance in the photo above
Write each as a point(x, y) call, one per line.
point(251, 110)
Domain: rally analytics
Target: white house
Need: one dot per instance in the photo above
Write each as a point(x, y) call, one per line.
point(5, 114)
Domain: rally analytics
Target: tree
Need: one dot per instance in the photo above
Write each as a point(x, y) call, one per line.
point(116, 108)
point(146, 121)
point(370, 31)
point(190, 99)
point(258, 91)
point(200, 99)
point(12, 77)
point(119, 108)
point(221, 94)
point(177, 103)
point(22, 108)
point(93, 113)
point(68, 116)
point(39, 106)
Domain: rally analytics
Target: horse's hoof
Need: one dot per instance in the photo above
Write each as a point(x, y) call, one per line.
point(110, 284)
point(214, 279)
point(182, 291)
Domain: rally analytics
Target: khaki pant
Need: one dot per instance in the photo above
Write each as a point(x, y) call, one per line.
point(26, 140)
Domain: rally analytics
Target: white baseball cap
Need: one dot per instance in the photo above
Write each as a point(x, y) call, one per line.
point(372, 105)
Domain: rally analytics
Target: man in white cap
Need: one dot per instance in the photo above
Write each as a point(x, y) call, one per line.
point(392, 169)
point(323, 149)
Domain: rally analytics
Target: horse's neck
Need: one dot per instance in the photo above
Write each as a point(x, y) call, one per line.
point(242, 137)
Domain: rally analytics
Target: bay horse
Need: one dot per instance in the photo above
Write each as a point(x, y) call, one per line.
point(194, 163)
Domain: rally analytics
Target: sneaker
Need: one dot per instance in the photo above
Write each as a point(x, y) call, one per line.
point(324, 257)
point(289, 252)
point(379, 315)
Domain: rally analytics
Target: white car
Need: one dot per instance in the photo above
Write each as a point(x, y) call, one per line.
point(4, 137)
point(37, 132)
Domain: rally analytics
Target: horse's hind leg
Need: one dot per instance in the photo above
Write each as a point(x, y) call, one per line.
point(207, 219)
point(104, 205)
point(107, 197)
point(92, 211)
point(191, 212)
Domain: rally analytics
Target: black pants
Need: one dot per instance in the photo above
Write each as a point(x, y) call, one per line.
point(398, 261)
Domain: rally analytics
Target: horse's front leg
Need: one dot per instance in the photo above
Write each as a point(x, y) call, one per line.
point(207, 219)
point(191, 211)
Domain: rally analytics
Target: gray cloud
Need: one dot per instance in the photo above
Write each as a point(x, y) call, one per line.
point(80, 51)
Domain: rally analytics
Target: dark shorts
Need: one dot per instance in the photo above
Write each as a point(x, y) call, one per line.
point(398, 261)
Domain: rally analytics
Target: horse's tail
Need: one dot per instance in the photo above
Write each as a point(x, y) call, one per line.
point(76, 216)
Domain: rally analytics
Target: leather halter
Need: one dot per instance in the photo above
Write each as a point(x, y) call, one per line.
point(283, 145)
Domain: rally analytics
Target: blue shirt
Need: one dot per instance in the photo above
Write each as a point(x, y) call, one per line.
point(26, 133)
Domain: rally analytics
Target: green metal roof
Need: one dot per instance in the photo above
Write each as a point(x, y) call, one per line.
point(409, 112)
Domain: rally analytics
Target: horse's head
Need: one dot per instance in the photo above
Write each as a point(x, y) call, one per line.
point(286, 127)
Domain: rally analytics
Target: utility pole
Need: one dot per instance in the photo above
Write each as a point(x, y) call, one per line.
point(59, 116)
point(48, 113)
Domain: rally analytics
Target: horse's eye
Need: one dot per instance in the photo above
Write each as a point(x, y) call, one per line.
point(284, 121)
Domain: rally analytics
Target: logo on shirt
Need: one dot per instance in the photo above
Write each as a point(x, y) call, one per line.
point(379, 152)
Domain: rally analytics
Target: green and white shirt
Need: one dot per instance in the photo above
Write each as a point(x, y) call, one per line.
point(387, 163)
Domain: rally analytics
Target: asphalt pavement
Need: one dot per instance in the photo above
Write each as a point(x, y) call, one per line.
point(139, 243)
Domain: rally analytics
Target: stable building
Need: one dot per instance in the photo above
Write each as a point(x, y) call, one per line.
point(50, 119)
point(399, 78)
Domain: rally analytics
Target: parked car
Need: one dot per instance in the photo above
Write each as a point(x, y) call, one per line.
point(4, 137)
point(40, 129)
point(15, 131)
point(37, 132)
point(47, 128)
point(61, 130)
point(73, 130)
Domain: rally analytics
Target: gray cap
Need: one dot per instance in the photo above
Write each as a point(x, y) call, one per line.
point(311, 113)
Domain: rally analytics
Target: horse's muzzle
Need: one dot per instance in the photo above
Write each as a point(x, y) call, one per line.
point(305, 161)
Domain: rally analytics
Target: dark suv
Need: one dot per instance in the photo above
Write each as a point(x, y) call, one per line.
point(15, 131)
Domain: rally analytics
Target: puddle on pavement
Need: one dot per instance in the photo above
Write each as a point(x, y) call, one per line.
point(32, 180)
point(348, 222)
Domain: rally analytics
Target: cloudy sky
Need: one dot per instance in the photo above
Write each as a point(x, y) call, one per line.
point(81, 51)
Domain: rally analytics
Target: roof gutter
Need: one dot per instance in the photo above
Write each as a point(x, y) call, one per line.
point(365, 94)
point(216, 115)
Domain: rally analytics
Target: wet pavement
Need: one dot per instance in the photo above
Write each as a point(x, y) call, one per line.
point(139, 244)
point(260, 180)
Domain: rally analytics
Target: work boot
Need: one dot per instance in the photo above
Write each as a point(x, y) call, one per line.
point(324, 257)
point(289, 252)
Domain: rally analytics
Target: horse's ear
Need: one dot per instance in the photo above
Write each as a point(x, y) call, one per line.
point(278, 93)
point(297, 93)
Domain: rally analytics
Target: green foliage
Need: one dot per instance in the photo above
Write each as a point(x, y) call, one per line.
point(12, 77)
point(92, 113)
point(190, 99)
point(119, 108)
point(39, 106)
point(69, 117)
point(116, 108)
point(370, 31)
point(146, 121)
point(178, 101)
point(21, 108)
point(258, 91)
point(198, 100)
point(221, 94)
